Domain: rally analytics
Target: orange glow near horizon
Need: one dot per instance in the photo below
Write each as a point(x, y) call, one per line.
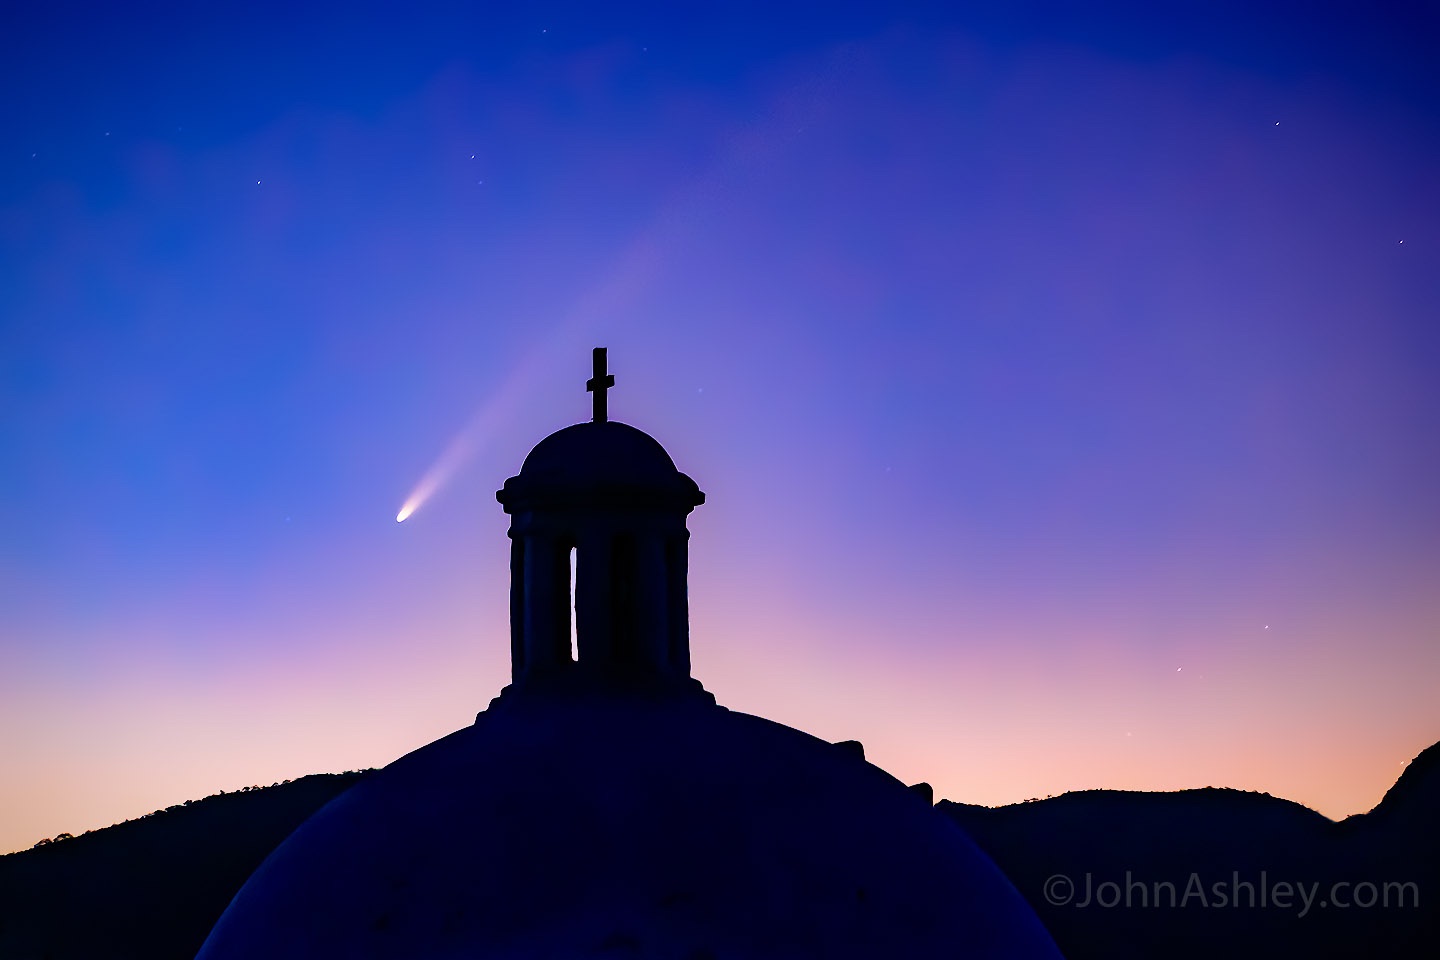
point(989, 731)
point(1065, 421)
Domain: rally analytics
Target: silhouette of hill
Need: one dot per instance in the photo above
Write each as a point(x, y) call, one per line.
point(1415, 797)
point(1216, 872)
point(153, 887)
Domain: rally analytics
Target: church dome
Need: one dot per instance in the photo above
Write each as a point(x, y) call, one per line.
point(604, 805)
point(607, 826)
point(599, 459)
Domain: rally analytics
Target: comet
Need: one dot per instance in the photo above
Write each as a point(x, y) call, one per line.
point(461, 448)
point(612, 297)
point(468, 441)
point(632, 272)
point(615, 295)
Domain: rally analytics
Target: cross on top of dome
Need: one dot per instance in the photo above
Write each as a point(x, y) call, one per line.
point(599, 382)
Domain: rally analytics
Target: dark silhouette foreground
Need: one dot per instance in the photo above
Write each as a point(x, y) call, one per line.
point(605, 805)
point(152, 888)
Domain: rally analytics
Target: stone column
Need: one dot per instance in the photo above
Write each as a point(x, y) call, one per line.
point(677, 562)
point(517, 605)
point(592, 596)
point(547, 623)
point(652, 602)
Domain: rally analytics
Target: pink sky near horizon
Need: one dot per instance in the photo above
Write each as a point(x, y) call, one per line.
point(1063, 393)
point(992, 724)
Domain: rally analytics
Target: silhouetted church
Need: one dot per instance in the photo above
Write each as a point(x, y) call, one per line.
point(603, 805)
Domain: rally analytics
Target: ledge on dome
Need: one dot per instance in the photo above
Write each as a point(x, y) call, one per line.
point(576, 685)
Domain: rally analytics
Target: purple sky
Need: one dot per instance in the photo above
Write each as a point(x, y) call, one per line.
point(1066, 392)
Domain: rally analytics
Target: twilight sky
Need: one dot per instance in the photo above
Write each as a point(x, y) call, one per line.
point(1066, 391)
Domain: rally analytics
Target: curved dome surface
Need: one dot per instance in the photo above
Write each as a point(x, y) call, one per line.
point(604, 457)
point(606, 449)
point(614, 827)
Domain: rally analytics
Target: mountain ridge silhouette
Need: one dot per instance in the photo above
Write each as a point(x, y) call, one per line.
point(153, 886)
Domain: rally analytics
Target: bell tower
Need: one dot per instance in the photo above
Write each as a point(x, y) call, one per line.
point(610, 494)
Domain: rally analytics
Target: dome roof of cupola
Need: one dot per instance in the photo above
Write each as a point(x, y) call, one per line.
point(604, 460)
point(622, 826)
